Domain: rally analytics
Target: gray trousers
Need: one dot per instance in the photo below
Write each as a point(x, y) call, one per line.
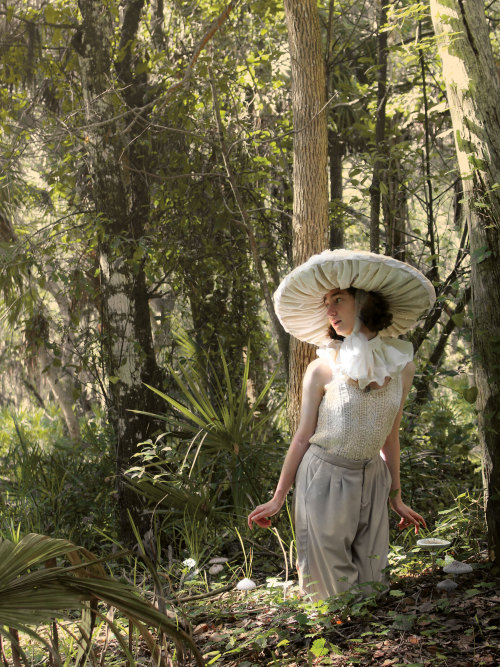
point(341, 522)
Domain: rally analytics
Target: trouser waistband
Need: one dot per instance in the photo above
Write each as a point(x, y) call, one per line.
point(340, 461)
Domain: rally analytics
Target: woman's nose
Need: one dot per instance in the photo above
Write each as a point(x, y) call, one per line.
point(331, 310)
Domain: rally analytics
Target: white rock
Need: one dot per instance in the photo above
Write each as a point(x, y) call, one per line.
point(246, 585)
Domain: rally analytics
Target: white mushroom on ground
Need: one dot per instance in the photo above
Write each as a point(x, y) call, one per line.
point(215, 568)
point(218, 561)
point(447, 585)
point(456, 567)
point(433, 544)
point(246, 585)
point(453, 568)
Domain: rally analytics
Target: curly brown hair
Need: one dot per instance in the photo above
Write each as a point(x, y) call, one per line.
point(375, 313)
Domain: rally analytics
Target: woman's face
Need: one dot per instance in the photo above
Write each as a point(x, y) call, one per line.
point(341, 311)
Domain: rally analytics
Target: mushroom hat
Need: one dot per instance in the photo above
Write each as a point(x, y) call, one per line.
point(299, 303)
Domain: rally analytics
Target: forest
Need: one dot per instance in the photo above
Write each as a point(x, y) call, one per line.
point(163, 166)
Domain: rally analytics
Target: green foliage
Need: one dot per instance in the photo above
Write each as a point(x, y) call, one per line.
point(218, 448)
point(443, 438)
point(50, 485)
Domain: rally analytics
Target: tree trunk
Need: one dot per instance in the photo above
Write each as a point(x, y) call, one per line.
point(336, 154)
point(120, 197)
point(310, 188)
point(473, 93)
point(395, 203)
point(380, 158)
point(63, 397)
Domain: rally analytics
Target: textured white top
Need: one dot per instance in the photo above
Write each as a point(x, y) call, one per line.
point(353, 422)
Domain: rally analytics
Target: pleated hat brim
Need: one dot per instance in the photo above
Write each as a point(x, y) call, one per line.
point(299, 304)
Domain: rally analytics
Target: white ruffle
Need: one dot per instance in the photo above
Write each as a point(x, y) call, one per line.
point(367, 361)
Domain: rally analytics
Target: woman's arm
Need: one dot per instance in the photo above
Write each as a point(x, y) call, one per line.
point(316, 376)
point(391, 454)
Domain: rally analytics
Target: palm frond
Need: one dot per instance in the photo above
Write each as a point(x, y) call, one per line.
point(34, 597)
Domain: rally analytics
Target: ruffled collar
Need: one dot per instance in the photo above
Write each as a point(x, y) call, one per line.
point(367, 361)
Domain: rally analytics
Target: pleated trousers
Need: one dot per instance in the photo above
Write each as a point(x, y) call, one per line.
point(341, 522)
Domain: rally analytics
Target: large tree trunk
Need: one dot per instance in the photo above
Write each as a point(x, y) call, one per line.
point(310, 187)
point(120, 197)
point(474, 96)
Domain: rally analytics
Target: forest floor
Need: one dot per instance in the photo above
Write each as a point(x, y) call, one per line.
point(413, 625)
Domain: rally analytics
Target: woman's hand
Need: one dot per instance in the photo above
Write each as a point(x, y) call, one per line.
point(261, 514)
point(408, 516)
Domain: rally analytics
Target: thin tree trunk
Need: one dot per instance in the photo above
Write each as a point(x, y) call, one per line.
point(473, 91)
point(422, 383)
point(379, 157)
point(427, 170)
point(395, 204)
point(336, 154)
point(310, 188)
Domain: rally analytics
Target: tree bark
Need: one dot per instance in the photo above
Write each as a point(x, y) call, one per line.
point(395, 203)
point(310, 187)
point(336, 154)
point(120, 197)
point(380, 158)
point(473, 91)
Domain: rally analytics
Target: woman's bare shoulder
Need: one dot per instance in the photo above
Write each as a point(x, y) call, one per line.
point(407, 376)
point(408, 371)
point(319, 371)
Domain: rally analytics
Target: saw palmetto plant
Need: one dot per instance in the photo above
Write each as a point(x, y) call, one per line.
point(220, 439)
point(34, 590)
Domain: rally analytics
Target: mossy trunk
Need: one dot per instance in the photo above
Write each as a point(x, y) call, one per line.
point(473, 91)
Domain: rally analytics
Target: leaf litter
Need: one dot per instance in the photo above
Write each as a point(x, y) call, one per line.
point(414, 625)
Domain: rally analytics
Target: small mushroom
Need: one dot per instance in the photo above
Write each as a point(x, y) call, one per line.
point(215, 568)
point(246, 585)
point(218, 561)
point(447, 585)
point(456, 567)
point(431, 543)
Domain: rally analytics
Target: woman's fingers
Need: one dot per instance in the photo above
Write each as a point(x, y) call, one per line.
point(408, 517)
point(261, 515)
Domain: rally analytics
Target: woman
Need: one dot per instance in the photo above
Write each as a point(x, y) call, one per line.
point(352, 403)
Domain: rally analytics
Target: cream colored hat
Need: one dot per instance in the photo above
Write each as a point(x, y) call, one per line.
point(298, 301)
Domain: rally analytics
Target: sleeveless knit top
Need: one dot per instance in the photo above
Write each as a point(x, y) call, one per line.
point(354, 423)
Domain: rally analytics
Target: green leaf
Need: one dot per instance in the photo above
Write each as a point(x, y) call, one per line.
point(318, 647)
point(397, 593)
